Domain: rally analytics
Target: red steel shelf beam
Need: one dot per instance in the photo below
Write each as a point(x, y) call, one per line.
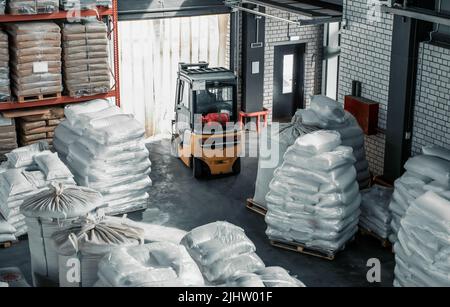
point(101, 11)
point(6, 106)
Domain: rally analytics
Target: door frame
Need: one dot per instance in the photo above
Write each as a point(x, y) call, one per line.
point(300, 87)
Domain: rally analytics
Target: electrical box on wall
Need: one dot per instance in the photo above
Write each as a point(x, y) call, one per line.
point(365, 112)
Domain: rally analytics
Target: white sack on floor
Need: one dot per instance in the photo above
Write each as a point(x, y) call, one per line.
point(155, 233)
point(267, 277)
point(221, 250)
point(160, 264)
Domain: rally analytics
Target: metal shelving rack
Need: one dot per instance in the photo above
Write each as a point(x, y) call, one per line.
point(101, 12)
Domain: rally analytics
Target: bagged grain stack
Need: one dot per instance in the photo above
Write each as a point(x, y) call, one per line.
point(426, 172)
point(314, 197)
point(375, 215)
point(89, 239)
point(49, 212)
point(35, 60)
point(422, 251)
point(109, 156)
point(326, 113)
point(36, 128)
point(5, 90)
point(32, 7)
point(15, 188)
point(85, 58)
point(221, 250)
point(160, 264)
point(8, 137)
point(21, 177)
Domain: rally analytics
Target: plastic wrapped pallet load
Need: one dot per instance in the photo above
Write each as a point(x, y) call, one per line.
point(32, 7)
point(86, 65)
point(221, 250)
point(110, 157)
point(422, 252)
point(5, 92)
point(267, 277)
point(48, 212)
point(160, 264)
point(314, 198)
point(427, 172)
point(35, 59)
point(375, 214)
point(88, 240)
point(271, 157)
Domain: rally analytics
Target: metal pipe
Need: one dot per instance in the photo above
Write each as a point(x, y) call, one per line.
point(264, 14)
point(425, 15)
point(306, 22)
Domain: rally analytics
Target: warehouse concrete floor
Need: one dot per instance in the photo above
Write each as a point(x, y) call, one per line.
point(192, 203)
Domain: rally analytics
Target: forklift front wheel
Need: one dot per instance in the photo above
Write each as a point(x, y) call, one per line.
point(197, 168)
point(237, 166)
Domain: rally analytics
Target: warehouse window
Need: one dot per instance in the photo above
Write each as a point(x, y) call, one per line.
point(150, 52)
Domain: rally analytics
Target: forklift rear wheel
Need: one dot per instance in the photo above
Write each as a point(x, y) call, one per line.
point(197, 168)
point(237, 167)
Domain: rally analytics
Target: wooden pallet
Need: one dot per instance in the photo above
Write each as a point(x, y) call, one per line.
point(255, 207)
point(10, 244)
point(23, 99)
point(301, 248)
point(366, 232)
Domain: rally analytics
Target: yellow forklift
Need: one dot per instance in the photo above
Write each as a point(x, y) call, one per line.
point(205, 135)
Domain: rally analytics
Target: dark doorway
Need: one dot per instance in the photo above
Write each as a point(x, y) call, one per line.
point(288, 81)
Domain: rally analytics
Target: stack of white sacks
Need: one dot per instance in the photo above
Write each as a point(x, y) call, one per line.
point(105, 150)
point(28, 171)
point(323, 114)
point(326, 113)
point(267, 277)
point(422, 253)
point(314, 197)
point(427, 172)
point(375, 214)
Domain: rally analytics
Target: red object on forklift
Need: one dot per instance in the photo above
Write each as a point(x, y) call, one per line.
point(365, 112)
point(221, 118)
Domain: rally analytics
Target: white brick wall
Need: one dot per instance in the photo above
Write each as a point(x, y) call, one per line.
point(432, 108)
point(365, 57)
point(276, 32)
